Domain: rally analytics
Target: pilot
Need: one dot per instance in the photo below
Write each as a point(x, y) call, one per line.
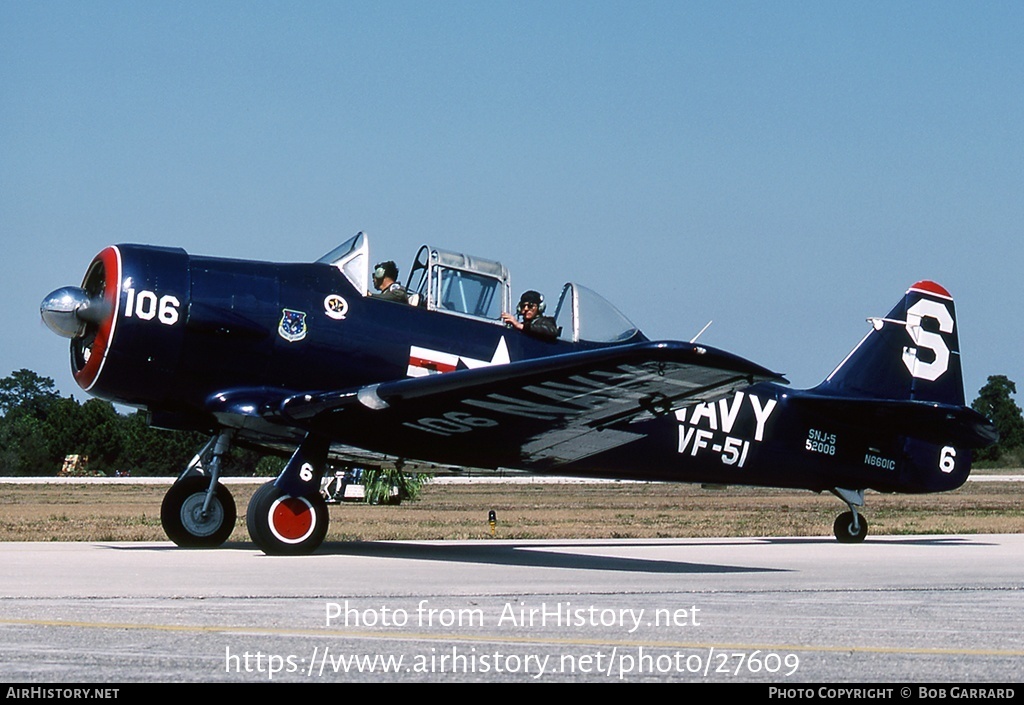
point(385, 276)
point(531, 319)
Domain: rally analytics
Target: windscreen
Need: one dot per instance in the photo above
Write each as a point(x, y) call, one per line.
point(583, 314)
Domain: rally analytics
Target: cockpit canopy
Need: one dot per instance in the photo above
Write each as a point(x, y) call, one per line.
point(462, 285)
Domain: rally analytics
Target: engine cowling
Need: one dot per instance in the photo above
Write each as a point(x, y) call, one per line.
point(125, 321)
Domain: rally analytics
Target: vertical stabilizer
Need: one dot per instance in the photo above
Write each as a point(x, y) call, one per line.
point(911, 354)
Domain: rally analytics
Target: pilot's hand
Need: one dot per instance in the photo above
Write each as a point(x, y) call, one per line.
point(511, 321)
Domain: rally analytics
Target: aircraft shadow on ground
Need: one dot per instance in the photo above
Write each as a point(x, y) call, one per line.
point(571, 555)
point(527, 555)
point(894, 541)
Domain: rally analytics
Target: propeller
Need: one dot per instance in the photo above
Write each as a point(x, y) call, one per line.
point(68, 310)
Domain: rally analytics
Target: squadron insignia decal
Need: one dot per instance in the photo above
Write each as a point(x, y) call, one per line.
point(293, 325)
point(335, 307)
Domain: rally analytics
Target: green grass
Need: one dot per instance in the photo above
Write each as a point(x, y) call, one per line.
point(119, 512)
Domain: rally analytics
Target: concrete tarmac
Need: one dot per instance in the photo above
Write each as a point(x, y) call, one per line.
point(898, 610)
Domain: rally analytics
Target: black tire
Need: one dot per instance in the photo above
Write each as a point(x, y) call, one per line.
point(844, 531)
point(280, 524)
point(182, 518)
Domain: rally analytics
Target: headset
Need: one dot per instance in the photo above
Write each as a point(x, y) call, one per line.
point(385, 269)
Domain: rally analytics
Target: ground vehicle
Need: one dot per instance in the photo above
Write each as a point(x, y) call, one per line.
point(346, 485)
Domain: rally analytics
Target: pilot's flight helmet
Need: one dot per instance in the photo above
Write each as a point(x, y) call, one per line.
point(385, 269)
point(532, 297)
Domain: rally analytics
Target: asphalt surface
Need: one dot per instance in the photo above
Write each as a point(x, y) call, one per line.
point(896, 610)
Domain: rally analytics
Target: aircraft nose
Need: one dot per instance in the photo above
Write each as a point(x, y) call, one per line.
point(67, 310)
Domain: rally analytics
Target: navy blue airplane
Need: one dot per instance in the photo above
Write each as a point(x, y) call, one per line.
point(300, 358)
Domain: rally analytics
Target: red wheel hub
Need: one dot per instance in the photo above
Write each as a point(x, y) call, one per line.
point(292, 519)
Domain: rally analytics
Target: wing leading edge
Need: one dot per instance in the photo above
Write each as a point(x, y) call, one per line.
point(534, 414)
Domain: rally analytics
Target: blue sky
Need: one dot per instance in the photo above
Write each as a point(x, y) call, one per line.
point(783, 168)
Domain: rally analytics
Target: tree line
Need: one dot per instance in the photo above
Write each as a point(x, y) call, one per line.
point(39, 429)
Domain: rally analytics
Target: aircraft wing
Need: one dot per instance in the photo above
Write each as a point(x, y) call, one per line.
point(535, 413)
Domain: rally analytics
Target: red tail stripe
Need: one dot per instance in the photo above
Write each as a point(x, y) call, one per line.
point(931, 287)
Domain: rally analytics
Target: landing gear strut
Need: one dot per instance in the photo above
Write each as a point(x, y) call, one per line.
point(198, 511)
point(850, 527)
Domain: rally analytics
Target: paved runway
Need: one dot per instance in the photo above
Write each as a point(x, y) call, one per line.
point(898, 610)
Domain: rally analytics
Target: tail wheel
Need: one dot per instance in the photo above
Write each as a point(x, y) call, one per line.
point(281, 524)
point(184, 520)
point(845, 530)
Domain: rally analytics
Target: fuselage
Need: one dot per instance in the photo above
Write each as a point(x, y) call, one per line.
point(186, 327)
point(185, 330)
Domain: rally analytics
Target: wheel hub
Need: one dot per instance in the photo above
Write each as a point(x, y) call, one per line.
point(292, 519)
point(200, 523)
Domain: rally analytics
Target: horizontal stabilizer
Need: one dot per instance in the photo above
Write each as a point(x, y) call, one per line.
point(932, 422)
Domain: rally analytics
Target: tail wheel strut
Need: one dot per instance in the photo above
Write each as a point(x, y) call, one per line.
point(850, 527)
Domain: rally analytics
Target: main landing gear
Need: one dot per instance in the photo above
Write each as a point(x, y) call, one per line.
point(285, 516)
point(289, 515)
point(198, 511)
point(284, 524)
point(850, 527)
